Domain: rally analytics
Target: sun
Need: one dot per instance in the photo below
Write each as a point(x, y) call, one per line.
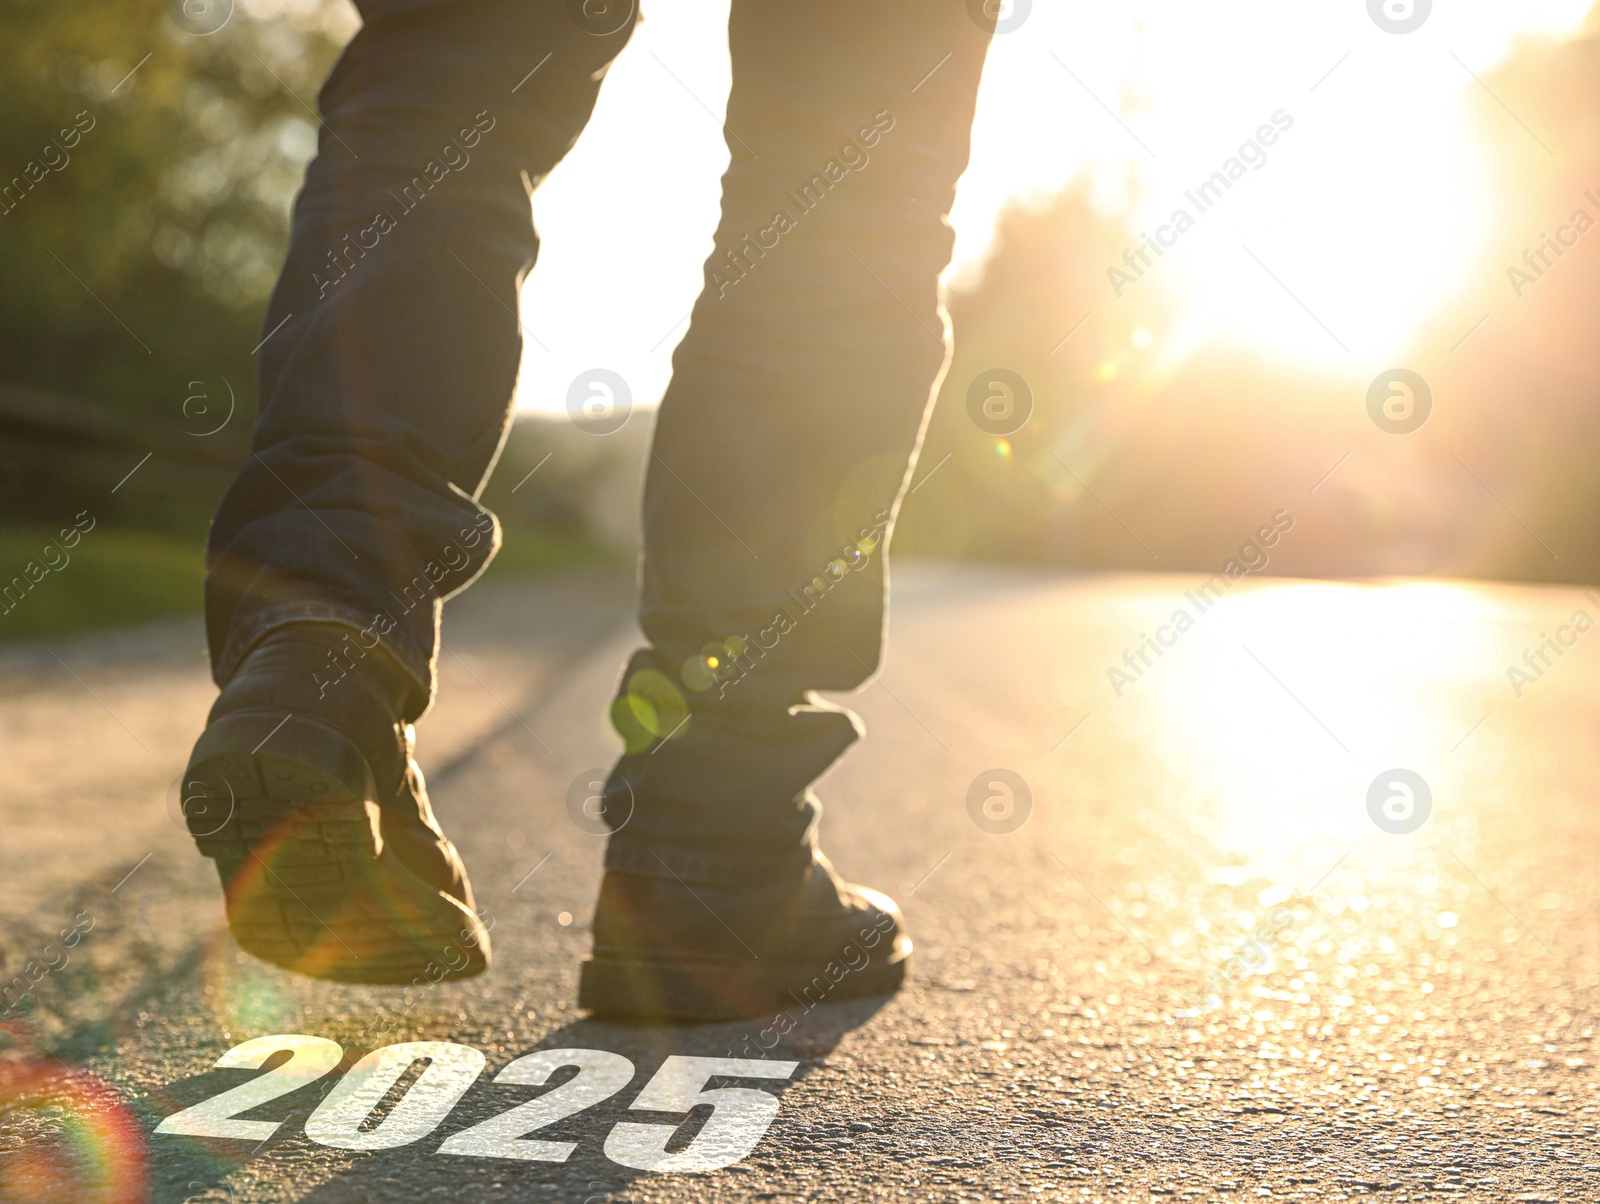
point(1308, 185)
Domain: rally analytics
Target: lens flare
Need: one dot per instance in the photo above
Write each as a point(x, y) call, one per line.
point(241, 992)
point(85, 1147)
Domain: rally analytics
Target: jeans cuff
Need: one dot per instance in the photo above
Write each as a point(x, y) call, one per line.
point(245, 635)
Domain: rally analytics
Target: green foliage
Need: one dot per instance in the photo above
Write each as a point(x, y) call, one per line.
point(171, 208)
point(532, 549)
point(115, 576)
point(112, 577)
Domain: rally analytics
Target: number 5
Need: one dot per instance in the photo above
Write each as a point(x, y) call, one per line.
point(740, 1115)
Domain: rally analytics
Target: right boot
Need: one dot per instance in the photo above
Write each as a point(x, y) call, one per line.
point(666, 951)
point(304, 791)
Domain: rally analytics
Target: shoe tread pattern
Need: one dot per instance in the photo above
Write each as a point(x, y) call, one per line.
point(300, 856)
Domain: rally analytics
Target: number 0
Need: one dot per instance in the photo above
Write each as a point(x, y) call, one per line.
point(451, 1070)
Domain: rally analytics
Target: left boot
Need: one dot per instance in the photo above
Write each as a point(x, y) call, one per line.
point(309, 800)
point(674, 948)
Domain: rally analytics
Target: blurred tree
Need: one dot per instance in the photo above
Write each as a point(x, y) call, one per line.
point(138, 254)
point(1142, 455)
point(1524, 390)
point(1047, 385)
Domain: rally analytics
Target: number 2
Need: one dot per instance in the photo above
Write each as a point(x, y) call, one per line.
point(309, 1059)
point(600, 1076)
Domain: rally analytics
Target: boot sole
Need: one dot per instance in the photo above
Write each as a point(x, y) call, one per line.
point(290, 816)
point(618, 985)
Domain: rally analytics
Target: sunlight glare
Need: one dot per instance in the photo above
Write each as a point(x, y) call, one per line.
point(1368, 209)
point(1293, 696)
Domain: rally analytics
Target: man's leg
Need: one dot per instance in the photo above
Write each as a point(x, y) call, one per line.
point(392, 339)
point(390, 352)
point(797, 401)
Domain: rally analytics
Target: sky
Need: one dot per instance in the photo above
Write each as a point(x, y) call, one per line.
point(1326, 256)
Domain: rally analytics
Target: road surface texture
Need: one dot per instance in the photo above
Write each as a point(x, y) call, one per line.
point(1304, 905)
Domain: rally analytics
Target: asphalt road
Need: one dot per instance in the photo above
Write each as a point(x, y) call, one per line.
point(1204, 966)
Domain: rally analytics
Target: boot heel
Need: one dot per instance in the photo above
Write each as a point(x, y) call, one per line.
point(264, 774)
point(330, 862)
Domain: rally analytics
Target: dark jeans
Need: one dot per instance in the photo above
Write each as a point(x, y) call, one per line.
point(783, 444)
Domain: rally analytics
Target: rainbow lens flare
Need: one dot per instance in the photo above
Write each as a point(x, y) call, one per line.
point(83, 1144)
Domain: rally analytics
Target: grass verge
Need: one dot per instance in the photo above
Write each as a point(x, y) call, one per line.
point(115, 576)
